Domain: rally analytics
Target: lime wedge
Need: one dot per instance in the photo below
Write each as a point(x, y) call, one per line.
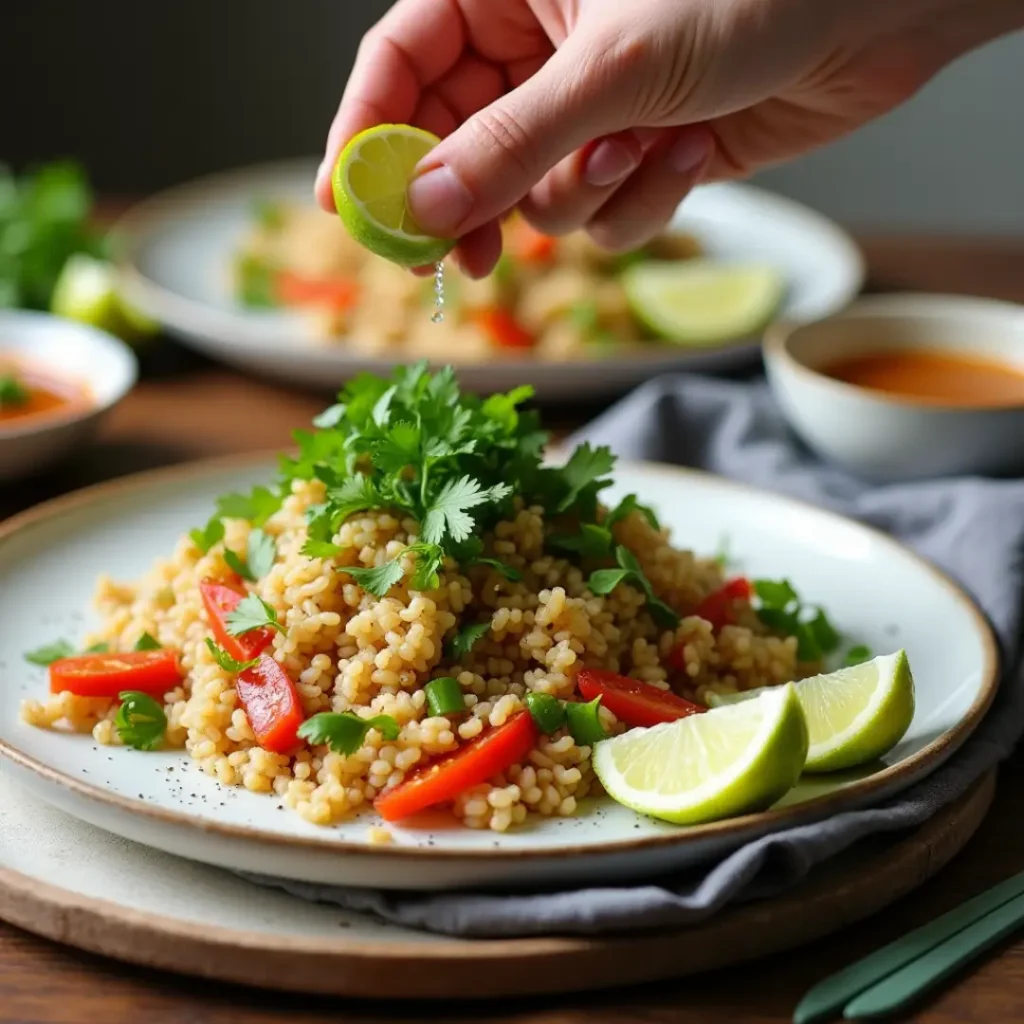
point(854, 715)
point(87, 291)
point(370, 180)
point(702, 302)
point(738, 758)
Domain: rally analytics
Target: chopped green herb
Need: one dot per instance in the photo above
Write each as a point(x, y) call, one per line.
point(604, 581)
point(857, 655)
point(465, 639)
point(584, 476)
point(49, 653)
point(210, 534)
point(330, 417)
point(255, 279)
point(377, 580)
point(147, 642)
point(776, 593)
point(100, 648)
point(140, 721)
point(548, 712)
point(268, 214)
point(780, 609)
point(445, 697)
point(584, 316)
point(225, 660)
point(252, 612)
point(510, 573)
point(345, 733)
point(584, 722)
point(260, 555)
point(12, 391)
point(628, 505)
point(257, 506)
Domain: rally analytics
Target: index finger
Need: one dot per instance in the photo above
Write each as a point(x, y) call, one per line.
point(413, 45)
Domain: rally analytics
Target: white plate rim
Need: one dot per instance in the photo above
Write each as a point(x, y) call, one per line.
point(851, 795)
point(193, 318)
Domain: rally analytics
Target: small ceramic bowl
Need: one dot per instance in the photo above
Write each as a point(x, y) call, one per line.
point(882, 436)
point(99, 363)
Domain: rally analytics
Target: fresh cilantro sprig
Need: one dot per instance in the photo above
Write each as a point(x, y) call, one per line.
point(147, 642)
point(12, 392)
point(781, 609)
point(596, 540)
point(49, 653)
point(260, 554)
point(345, 732)
point(140, 721)
point(226, 662)
point(462, 642)
point(604, 581)
point(252, 612)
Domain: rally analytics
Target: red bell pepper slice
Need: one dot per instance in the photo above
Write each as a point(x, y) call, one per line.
point(108, 674)
point(503, 330)
point(488, 755)
point(220, 600)
point(632, 701)
point(271, 703)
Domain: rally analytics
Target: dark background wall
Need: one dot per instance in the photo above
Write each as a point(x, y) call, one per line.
point(149, 93)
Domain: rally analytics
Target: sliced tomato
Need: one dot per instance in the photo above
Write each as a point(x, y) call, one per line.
point(437, 783)
point(107, 675)
point(220, 600)
point(337, 293)
point(528, 245)
point(271, 703)
point(717, 608)
point(631, 701)
point(502, 328)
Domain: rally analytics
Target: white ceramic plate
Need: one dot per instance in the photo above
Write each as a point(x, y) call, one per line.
point(177, 250)
point(875, 590)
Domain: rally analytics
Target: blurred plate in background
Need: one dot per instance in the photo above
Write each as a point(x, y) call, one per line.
point(177, 249)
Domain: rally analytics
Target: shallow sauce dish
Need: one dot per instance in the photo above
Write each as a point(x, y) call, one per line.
point(876, 591)
point(86, 372)
point(906, 386)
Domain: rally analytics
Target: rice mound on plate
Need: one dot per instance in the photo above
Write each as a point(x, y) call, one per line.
point(347, 649)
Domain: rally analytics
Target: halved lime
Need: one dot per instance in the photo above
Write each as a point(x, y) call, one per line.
point(87, 291)
point(703, 302)
point(854, 715)
point(736, 759)
point(370, 181)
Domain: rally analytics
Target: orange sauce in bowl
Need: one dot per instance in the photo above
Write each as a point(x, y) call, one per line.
point(933, 376)
point(28, 394)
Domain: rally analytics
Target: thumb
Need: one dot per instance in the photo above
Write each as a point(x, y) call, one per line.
point(488, 164)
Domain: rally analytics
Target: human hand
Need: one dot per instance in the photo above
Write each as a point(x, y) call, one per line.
point(603, 114)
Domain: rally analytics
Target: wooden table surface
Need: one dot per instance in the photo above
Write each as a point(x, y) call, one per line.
point(186, 407)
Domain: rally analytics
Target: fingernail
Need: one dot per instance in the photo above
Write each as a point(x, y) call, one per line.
point(689, 151)
point(439, 201)
point(609, 162)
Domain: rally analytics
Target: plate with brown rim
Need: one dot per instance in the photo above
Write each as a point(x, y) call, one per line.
point(176, 252)
point(878, 592)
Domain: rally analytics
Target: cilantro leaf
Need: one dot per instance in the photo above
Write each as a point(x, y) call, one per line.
point(510, 573)
point(12, 391)
point(449, 512)
point(857, 655)
point(583, 476)
point(207, 536)
point(777, 594)
point(464, 640)
point(238, 565)
point(147, 642)
point(345, 732)
point(378, 579)
point(604, 581)
point(100, 648)
point(261, 552)
point(319, 531)
point(429, 559)
point(330, 417)
point(356, 494)
point(782, 611)
point(592, 541)
point(630, 504)
point(225, 660)
point(140, 721)
point(252, 612)
point(49, 653)
point(257, 506)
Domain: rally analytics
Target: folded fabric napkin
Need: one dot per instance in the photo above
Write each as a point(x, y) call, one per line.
point(972, 528)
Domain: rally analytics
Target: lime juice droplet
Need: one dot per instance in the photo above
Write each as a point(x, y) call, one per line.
point(438, 315)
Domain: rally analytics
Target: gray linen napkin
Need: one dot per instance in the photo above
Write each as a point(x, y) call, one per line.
point(972, 528)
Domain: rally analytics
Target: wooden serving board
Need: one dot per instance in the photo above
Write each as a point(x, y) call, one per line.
point(74, 884)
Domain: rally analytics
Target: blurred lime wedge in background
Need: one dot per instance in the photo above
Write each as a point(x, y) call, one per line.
point(87, 291)
point(738, 758)
point(854, 715)
point(701, 302)
point(370, 181)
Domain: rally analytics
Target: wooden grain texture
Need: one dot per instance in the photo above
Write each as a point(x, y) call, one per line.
point(186, 407)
